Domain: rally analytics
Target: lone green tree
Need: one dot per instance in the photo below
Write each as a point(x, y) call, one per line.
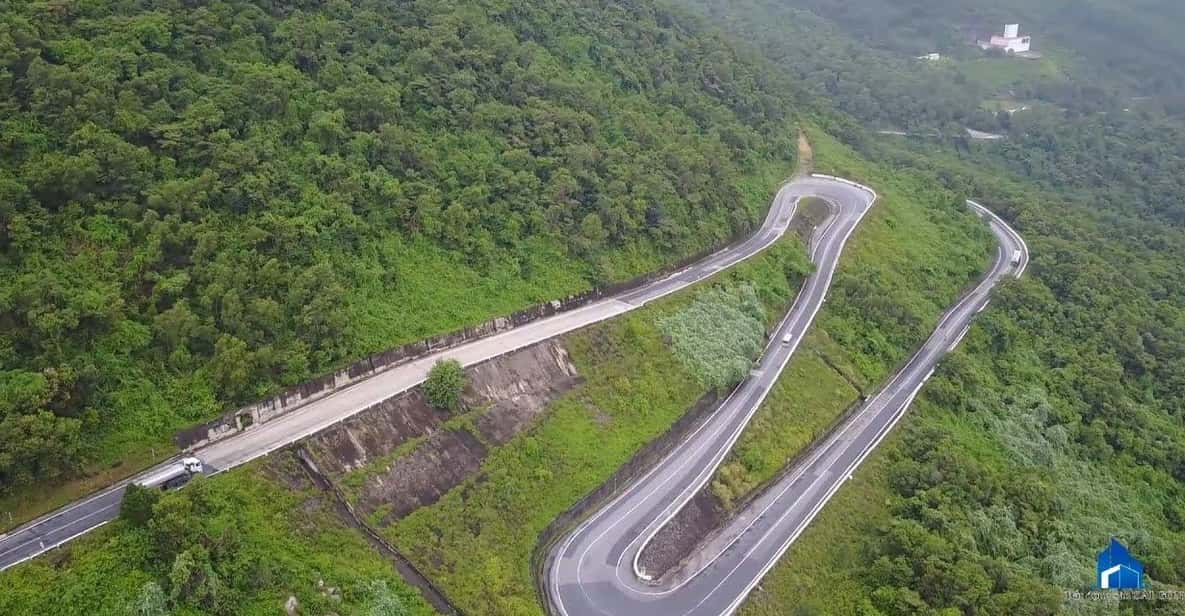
point(444, 385)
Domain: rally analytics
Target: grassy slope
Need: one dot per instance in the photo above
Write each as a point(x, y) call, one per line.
point(294, 532)
point(439, 292)
point(911, 257)
point(809, 395)
point(477, 541)
point(998, 74)
point(821, 580)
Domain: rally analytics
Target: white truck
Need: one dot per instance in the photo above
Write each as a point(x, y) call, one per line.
point(172, 476)
point(1016, 256)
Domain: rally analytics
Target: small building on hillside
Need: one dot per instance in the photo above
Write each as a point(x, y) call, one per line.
point(1010, 42)
point(931, 57)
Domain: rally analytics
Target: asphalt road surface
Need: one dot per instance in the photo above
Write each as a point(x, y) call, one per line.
point(595, 571)
point(93, 511)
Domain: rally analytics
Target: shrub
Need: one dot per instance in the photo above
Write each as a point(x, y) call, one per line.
point(718, 335)
point(444, 385)
point(137, 504)
point(384, 601)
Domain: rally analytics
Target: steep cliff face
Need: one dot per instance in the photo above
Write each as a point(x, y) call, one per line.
point(403, 454)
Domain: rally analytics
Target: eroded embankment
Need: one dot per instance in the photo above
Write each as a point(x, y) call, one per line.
point(402, 454)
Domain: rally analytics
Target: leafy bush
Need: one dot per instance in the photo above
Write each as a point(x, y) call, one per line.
point(151, 602)
point(137, 504)
point(718, 335)
point(444, 385)
point(384, 601)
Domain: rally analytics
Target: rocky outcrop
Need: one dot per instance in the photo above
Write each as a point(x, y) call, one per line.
point(697, 519)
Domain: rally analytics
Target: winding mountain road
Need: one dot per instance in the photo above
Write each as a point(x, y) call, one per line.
point(76, 519)
point(595, 570)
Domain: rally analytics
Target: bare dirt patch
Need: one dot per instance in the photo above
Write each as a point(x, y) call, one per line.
point(806, 156)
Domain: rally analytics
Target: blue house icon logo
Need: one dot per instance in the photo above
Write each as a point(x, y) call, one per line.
point(1117, 570)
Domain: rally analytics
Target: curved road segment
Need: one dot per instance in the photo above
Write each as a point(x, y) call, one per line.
point(594, 571)
point(69, 522)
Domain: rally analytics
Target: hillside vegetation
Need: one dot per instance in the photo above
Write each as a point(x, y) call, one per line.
point(202, 202)
point(1058, 423)
point(909, 260)
point(241, 544)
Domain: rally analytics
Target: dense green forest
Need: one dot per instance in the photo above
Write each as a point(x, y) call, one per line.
point(203, 201)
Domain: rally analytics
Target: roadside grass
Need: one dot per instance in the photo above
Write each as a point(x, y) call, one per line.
point(409, 291)
point(289, 532)
point(807, 398)
point(817, 575)
point(476, 542)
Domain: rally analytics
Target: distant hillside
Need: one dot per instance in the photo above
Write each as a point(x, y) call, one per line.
point(1134, 44)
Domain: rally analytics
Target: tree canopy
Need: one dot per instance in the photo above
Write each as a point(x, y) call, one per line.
point(201, 202)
